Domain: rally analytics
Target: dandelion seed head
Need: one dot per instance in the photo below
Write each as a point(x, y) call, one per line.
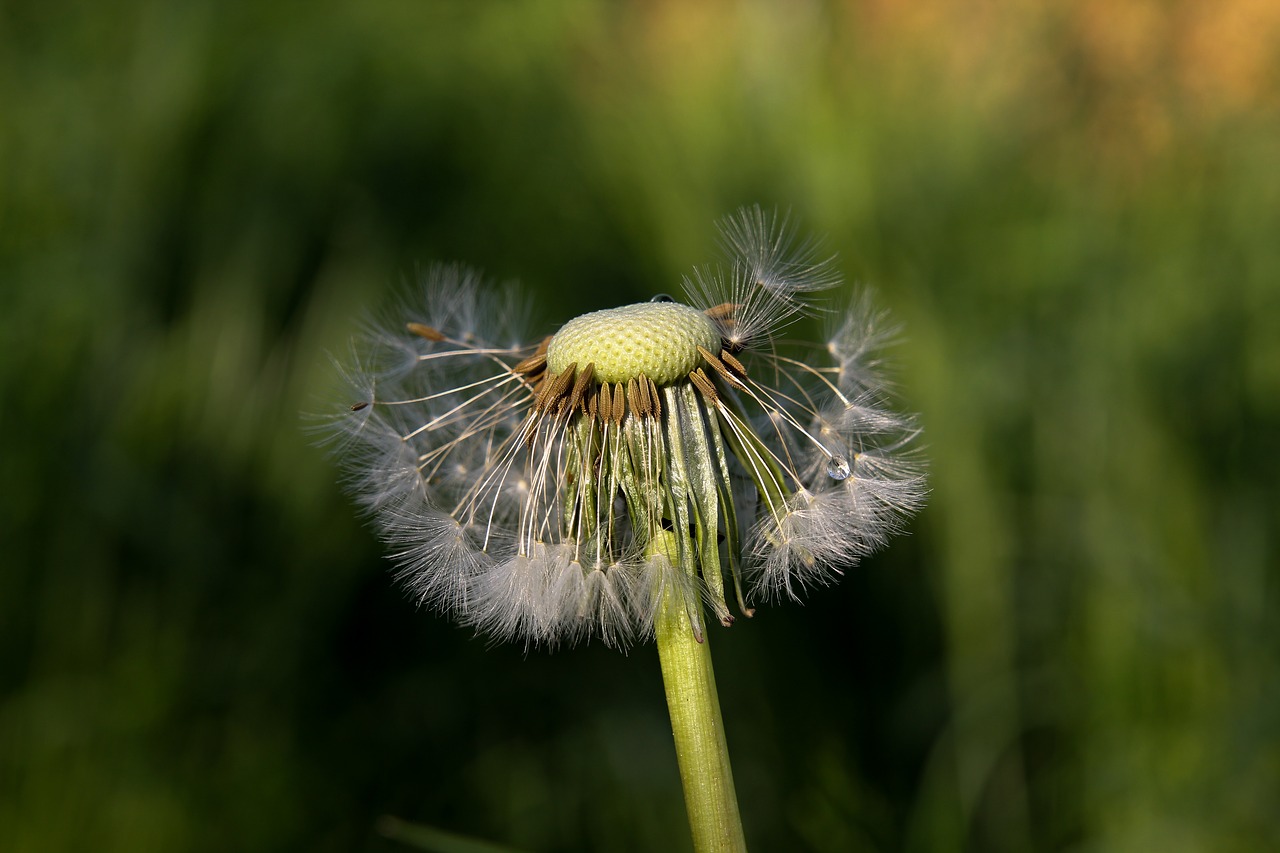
point(559, 489)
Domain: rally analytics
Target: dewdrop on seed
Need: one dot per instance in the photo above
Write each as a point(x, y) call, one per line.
point(838, 468)
point(555, 490)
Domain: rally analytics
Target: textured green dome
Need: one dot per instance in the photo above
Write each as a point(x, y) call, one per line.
point(657, 339)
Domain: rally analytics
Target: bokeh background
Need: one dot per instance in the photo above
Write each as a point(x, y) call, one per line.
point(1073, 209)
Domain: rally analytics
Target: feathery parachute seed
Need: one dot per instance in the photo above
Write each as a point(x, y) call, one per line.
point(735, 366)
point(703, 384)
point(532, 365)
point(561, 490)
point(424, 331)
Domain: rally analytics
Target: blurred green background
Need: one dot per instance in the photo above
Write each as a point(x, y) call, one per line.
point(1073, 208)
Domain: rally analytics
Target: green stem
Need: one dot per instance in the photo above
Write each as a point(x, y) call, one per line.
point(701, 749)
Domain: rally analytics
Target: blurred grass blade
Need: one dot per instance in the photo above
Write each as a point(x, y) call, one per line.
point(435, 840)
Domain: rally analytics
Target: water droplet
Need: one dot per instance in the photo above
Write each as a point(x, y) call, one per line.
point(663, 297)
point(838, 468)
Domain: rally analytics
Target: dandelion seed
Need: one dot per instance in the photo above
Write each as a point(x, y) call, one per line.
point(557, 489)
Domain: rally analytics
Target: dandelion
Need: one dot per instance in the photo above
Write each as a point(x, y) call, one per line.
point(640, 467)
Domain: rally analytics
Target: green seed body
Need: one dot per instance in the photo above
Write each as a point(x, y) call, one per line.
point(659, 340)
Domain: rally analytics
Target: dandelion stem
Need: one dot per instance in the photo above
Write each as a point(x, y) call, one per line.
point(701, 749)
